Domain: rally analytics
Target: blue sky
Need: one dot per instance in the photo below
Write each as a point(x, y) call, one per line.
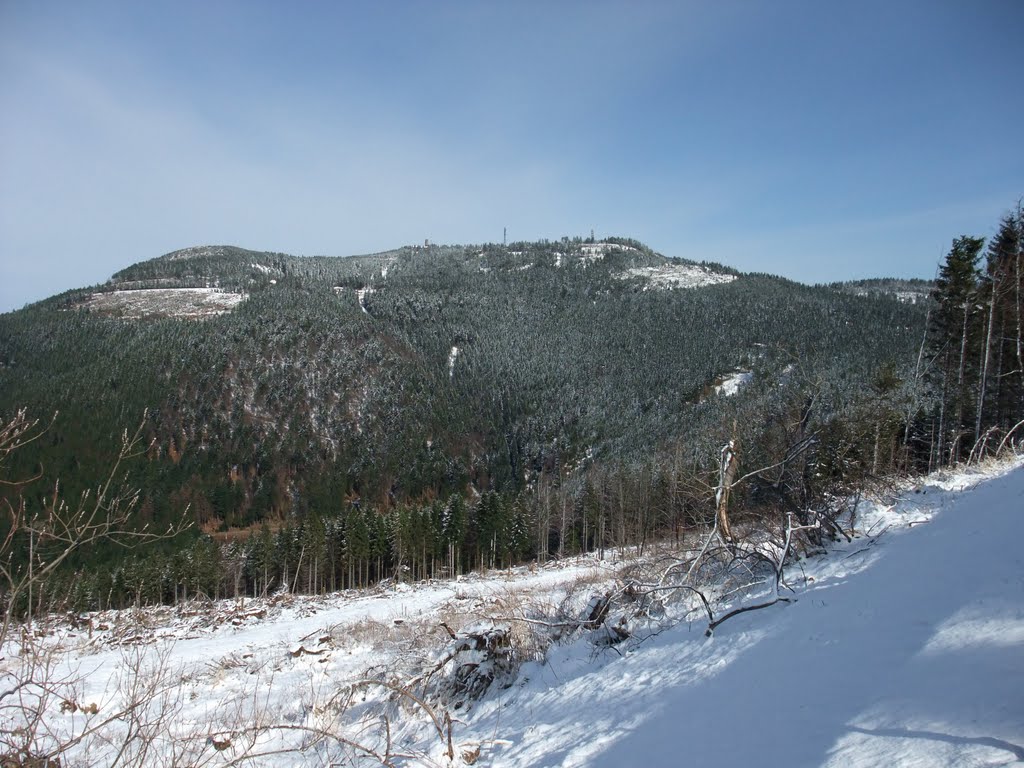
point(818, 140)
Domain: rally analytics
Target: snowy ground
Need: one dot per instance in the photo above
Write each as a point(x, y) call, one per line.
point(677, 276)
point(905, 649)
point(902, 647)
point(730, 384)
point(165, 302)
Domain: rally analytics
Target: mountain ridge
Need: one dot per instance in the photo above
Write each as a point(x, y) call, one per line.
point(217, 262)
point(425, 370)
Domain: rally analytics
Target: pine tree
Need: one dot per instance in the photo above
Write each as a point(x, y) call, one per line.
point(453, 532)
point(954, 336)
point(1003, 376)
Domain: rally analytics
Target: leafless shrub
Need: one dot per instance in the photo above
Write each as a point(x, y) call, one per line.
point(32, 681)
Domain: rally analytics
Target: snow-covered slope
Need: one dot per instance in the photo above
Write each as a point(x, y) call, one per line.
point(904, 646)
point(678, 276)
point(730, 384)
point(165, 302)
point(906, 652)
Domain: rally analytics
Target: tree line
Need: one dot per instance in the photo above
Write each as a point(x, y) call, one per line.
point(976, 346)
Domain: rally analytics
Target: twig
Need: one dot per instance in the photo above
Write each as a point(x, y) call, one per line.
point(714, 624)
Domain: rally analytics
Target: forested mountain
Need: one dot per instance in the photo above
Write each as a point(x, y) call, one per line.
point(912, 290)
point(287, 393)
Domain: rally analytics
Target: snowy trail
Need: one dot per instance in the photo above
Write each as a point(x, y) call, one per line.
point(286, 630)
point(917, 659)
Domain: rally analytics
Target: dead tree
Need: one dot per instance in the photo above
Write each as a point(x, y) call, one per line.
point(728, 467)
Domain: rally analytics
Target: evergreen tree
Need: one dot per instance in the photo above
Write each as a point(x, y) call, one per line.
point(453, 532)
point(955, 337)
point(1002, 385)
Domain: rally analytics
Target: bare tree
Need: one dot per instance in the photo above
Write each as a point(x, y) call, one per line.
point(61, 528)
point(29, 684)
point(728, 467)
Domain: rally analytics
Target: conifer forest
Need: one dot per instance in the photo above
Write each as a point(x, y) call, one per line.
point(314, 424)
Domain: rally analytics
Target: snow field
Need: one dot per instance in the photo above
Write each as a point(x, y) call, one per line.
point(677, 276)
point(165, 302)
point(731, 384)
point(903, 647)
point(227, 669)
